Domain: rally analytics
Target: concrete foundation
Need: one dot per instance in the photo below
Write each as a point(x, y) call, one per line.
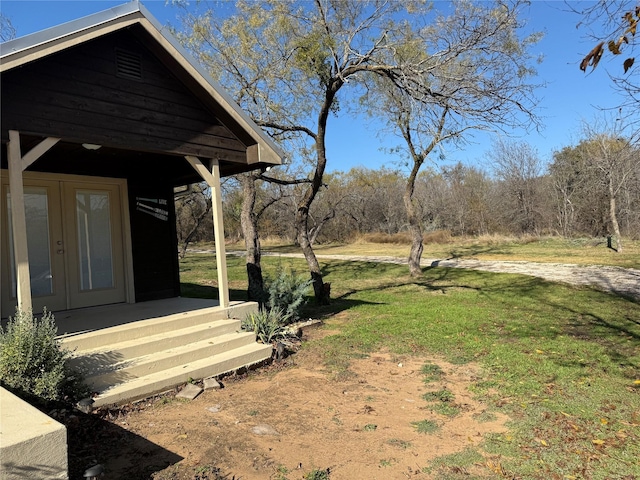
point(32, 445)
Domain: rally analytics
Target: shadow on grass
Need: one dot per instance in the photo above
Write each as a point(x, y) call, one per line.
point(607, 319)
point(472, 250)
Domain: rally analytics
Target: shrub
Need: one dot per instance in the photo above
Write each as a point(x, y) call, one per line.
point(32, 360)
point(287, 295)
point(267, 324)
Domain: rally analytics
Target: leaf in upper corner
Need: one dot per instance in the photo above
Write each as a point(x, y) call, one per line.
point(614, 48)
point(593, 57)
point(628, 63)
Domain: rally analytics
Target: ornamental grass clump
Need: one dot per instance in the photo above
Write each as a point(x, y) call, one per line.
point(287, 293)
point(33, 362)
point(267, 324)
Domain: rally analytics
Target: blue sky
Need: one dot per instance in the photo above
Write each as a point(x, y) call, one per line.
point(569, 98)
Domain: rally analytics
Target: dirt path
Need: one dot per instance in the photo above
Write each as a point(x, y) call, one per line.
point(622, 281)
point(290, 419)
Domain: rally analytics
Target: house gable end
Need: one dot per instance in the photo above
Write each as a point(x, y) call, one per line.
point(113, 91)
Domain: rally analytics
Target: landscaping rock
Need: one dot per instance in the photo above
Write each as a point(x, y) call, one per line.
point(189, 392)
point(211, 384)
point(264, 430)
point(214, 409)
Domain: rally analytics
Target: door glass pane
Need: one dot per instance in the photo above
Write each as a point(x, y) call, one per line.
point(94, 240)
point(36, 207)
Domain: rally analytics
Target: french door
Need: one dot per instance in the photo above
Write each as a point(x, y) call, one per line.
point(74, 240)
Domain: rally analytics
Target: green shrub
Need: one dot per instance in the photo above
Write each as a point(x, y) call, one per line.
point(267, 324)
point(32, 360)
point(287, 293)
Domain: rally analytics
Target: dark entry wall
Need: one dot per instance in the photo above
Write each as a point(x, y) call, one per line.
point(153, 238)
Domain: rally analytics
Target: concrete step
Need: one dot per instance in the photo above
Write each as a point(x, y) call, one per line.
point(112, 373)
point(147, 385)
point(141, 356)
point(142, 328)
point(90, 361)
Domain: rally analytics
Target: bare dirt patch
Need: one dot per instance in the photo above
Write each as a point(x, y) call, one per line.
point(363, 427)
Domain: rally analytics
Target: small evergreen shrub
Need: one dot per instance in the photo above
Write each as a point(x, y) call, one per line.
point(33, 362)
point(287, 293)
point(267, 324)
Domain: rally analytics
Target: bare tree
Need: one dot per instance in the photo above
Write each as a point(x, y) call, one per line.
point(519, 168)
point(192, 210)
point(614, 160)
point(475, 74)
point(7, 32)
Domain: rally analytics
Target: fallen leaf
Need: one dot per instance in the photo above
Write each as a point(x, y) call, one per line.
point(539, 351)
point(597, 441)
point(604, 421)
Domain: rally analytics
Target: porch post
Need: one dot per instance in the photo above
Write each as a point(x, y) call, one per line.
point(218, 234)
point(19, 223)
point(213, 181)
point(17, 164)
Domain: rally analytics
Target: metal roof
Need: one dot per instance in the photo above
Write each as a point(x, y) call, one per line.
point(30, 47)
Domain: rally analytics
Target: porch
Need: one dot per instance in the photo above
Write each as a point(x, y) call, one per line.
point(132, 351)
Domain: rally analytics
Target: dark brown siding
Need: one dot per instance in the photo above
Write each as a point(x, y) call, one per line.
point(83, 95)
point(153, 238)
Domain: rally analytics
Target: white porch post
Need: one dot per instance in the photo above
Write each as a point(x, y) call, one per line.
point(17, 164)
point(213, 180)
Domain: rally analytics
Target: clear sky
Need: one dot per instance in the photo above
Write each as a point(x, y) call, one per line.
point(569, 97)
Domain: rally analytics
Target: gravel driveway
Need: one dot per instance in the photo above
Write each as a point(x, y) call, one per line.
point(622, 281)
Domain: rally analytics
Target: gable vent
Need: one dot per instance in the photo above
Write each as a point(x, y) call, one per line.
point(128, 65)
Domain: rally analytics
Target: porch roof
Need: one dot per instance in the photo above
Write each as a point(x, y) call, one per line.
point(261, 150)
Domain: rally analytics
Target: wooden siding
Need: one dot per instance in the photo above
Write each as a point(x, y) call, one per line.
point(153, 239)
point(78, 95)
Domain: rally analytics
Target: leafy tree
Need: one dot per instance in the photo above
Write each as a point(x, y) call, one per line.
point(287, 64)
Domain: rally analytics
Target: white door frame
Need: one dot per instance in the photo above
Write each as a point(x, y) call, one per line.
point(17, 166)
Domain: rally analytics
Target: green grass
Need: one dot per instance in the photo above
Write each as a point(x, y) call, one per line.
point(431, 372)
point(401, 444)
point(563, 363)
point(454, 466)
point(426, 426)
point(443, 395)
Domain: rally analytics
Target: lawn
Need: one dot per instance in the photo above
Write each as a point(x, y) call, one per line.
point(563, 363)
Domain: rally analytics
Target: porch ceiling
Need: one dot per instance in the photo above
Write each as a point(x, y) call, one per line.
point(73, 158)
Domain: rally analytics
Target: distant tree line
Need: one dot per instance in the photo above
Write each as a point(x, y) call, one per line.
point(517, 195)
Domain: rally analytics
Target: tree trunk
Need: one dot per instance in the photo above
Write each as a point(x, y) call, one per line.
point(249, 223)
point(302, 213)
point(310, 257)
point(613, 216)
point(416, 230)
